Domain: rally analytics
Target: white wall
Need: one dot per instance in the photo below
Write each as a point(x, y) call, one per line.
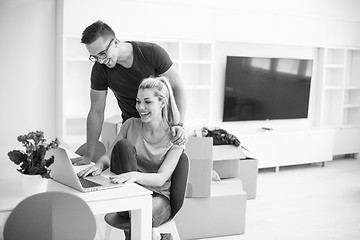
point(27, 70)
point(334, 9)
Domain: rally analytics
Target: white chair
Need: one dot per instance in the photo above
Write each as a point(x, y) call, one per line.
point(51, 215)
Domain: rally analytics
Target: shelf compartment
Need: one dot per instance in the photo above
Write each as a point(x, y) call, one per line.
point(334, 76)
point(75, 49)
point(354, 71)
point(172, 48)
point(199, 112)
point(352, 97)
point(335, 56)
point(76, 88)
point(332, 109)
point(112, 108)
point(196, 51)
point(328, 88)
point(76, 126)
point(352, 116)
point(195, 74)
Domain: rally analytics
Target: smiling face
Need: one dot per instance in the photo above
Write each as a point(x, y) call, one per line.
point(148, 105)
point(104, 46)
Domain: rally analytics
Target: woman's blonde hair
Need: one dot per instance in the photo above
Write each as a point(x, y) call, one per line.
point(163, 91)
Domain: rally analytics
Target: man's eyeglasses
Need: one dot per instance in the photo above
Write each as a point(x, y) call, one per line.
point(102, 55)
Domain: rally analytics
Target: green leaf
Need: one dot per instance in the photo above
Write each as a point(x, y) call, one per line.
point(49, 161)
point(33, 170)
point(17, 156)
point(33, 161)
point(25, 167)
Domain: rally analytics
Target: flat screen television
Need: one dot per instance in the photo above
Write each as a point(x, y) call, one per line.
point(266, 88)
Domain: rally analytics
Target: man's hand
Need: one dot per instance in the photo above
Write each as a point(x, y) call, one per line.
point(179, 135)
point(93, 170)
point(83, 160)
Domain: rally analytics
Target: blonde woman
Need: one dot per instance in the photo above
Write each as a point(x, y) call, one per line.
point(143, 151)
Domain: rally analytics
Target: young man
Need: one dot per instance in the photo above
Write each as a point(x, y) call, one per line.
point(121, 66)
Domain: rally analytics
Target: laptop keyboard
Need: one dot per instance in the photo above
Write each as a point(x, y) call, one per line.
point(87, 183)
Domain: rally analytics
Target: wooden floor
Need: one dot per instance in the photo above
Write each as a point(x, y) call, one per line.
point(307, 202)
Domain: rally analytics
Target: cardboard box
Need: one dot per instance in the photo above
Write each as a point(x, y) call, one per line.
point(222, 214)
point(248, 170)
point(200, 156)
point(226, 160)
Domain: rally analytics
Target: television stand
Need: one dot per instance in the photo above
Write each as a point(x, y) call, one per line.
point(278, 148)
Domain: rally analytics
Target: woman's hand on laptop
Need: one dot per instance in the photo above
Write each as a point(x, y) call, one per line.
point(125, 178)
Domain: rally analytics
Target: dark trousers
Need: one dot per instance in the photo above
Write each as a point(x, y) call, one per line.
point(123, 159)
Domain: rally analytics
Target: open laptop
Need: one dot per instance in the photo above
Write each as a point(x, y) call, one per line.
point(63, 171)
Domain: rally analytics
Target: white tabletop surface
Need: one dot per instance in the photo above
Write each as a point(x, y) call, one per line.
point(11, 193)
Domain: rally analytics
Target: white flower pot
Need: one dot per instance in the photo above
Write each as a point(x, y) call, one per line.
point(33, 184)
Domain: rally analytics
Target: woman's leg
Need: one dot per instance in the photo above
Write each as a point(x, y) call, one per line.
point(161, 209)
point(123, 157)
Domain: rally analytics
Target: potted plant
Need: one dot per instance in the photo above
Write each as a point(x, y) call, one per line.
point(32, 161)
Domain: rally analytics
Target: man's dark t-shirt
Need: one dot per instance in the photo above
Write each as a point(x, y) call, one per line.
point(149, 60)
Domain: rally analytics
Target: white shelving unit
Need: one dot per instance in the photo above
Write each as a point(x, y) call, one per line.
point(340, 87)
point(352, 89)
point(73, 89)
point(340, 96)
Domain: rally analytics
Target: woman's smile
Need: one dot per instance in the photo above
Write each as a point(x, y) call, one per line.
point(144, 114)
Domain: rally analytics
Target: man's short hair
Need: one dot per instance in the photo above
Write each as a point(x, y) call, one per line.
point(96, 30)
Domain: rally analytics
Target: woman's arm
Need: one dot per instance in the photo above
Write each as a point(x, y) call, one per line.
point(153, 179)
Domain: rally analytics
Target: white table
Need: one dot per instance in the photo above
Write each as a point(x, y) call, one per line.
point(132, 197)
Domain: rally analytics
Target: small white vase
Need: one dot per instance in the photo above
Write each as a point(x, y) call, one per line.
point(33, 184)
